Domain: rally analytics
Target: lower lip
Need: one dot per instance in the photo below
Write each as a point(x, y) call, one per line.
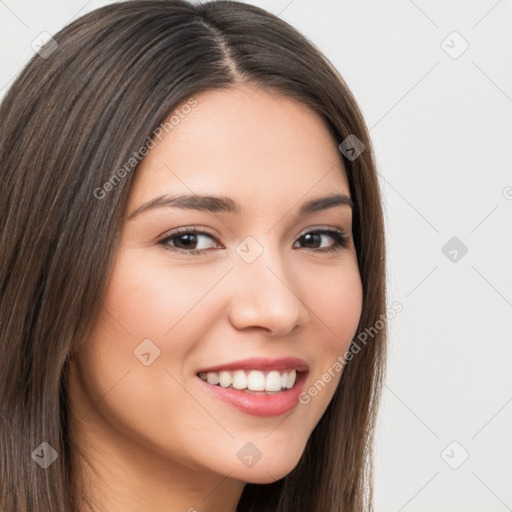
point(260, 404)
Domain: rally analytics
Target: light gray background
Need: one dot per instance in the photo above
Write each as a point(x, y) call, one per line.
point(442, 133)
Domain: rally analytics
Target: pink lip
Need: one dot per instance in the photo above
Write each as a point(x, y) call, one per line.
point(262, 364)
point(259, 404)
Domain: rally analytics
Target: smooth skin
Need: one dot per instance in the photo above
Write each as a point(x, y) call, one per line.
point(155, 440)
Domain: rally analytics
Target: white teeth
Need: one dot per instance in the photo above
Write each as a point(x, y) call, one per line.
point(256, 381)
point(253, 381)
point(212, 378)
point(225, 379)
point(291, 379)
point(273, 381)
point(239, 380)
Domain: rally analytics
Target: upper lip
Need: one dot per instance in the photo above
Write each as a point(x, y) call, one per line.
point(262, 364)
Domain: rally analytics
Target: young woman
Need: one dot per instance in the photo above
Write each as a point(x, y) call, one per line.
point(191, 250)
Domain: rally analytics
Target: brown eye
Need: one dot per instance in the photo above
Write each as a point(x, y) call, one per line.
point(189, 241)
point(314, 239)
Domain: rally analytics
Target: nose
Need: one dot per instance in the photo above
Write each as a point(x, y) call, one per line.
point(264, 294)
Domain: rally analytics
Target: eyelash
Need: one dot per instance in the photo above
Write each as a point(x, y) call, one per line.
point(340, 238)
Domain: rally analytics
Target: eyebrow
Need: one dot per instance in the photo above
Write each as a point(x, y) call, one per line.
point(222, 204)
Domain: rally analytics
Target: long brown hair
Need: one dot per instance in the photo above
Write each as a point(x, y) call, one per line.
point(70, 121)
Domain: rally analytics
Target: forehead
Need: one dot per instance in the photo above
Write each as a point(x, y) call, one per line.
point(247, 143)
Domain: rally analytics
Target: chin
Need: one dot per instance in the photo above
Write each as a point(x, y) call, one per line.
point(269, 472)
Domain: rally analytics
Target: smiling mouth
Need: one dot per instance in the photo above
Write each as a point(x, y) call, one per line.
point(253, 381)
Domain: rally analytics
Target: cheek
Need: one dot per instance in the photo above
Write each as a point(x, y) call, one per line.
point(155, 309)
point(150, 300)
point(335, 299)
point(147, 308)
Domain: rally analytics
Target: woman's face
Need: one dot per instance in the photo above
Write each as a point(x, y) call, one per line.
point(267, 283)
